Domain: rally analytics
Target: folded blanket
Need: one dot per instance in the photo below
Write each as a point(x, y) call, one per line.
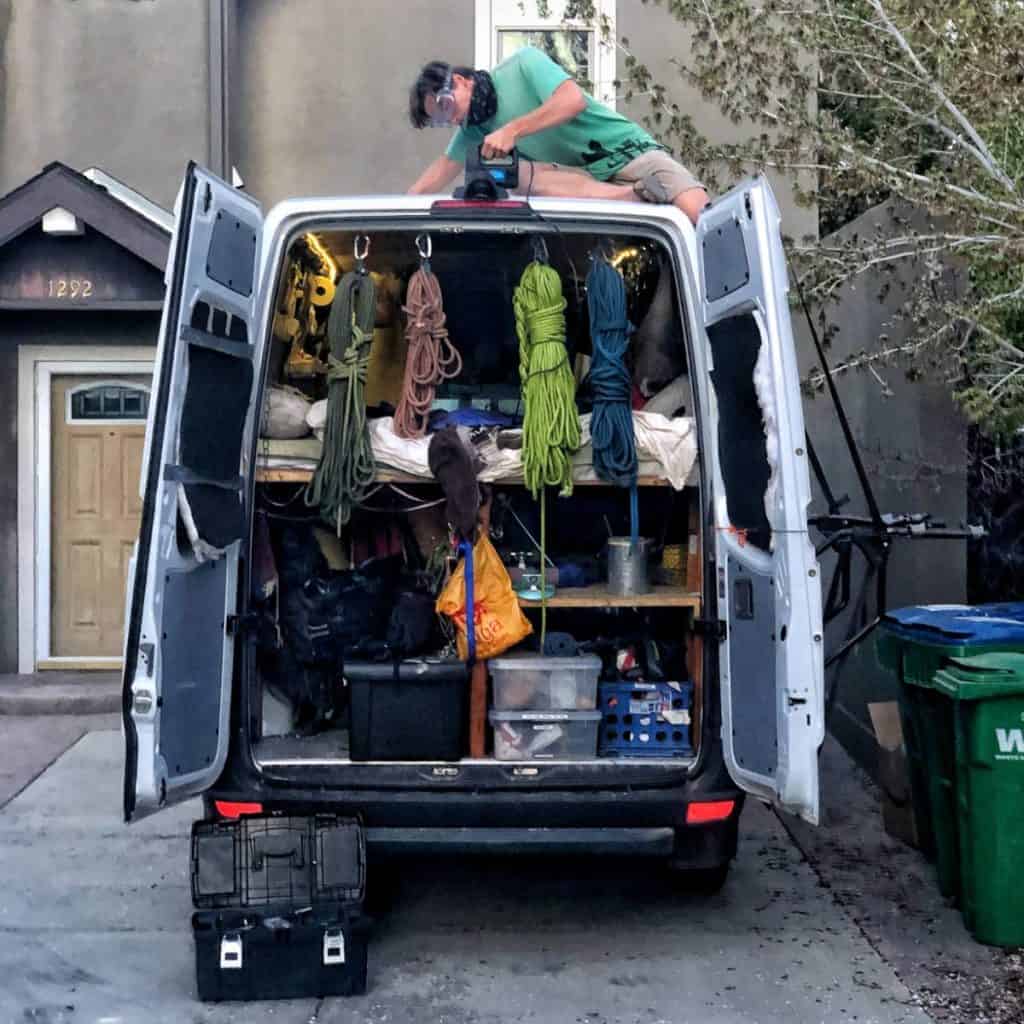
point(665, 447)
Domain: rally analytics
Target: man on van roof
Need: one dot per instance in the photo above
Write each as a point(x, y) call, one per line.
point(574, 146)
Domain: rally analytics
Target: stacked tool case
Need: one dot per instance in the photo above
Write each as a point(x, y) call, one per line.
point(279, 907)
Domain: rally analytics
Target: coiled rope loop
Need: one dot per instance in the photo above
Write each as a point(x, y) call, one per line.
point(551, 425)
point(346, 468)
point(611, 426)
point(431, 358)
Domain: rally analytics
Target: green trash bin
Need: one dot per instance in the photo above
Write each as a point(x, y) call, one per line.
point(986, 693)
point(916, 643)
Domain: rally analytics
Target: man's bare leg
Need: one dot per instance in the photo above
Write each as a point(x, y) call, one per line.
point(692, 202)
point(549, 180)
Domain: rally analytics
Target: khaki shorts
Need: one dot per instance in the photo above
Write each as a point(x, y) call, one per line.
point(663, 176)
point(655, 176)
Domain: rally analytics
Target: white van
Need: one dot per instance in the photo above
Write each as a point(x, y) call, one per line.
point(749, 618)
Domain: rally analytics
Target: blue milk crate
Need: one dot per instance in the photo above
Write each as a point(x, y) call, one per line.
point(645, 719)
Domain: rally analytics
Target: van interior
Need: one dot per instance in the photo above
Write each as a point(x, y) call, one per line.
point(332, 601)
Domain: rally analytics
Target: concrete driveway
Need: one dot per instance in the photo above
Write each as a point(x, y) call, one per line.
point(94, 927)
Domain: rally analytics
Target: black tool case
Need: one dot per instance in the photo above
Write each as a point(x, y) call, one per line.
point(279, 907)
point(412, 710)
point(286, 954)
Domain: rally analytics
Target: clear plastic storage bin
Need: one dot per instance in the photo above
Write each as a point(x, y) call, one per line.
point(545, 735)
point(532, 682)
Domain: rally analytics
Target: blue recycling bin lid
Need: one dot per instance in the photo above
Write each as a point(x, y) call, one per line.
point(961, 624)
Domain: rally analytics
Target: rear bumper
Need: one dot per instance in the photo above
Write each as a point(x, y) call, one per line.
point(649, 823)
point(631, 842)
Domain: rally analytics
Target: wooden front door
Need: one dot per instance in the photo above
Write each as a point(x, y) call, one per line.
point(98, 428)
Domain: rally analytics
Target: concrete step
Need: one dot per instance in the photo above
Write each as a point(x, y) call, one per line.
point(60, 693)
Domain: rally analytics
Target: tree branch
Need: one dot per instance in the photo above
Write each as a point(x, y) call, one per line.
point(987, 159)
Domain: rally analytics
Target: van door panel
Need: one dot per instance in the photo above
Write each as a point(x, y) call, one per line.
point(183, 585)
point(771, 661)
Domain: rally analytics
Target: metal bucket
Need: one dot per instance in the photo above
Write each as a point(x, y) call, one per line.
point(627, 566)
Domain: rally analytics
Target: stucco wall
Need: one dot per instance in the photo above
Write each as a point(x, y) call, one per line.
point(914, 447)
point(323, 93)
point(120, 84)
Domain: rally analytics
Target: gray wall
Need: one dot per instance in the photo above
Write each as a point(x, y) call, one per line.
point(41, 329)
point(323, 93)
point(120, 84)
point(914, 447)
point(656, 38)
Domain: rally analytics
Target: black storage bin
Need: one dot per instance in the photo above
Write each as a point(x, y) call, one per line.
point(263, 861)
point(265, 954)
point(413, 710)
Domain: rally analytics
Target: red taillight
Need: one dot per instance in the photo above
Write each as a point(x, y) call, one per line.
point(479, 204)
point(713, 810)
point(232, 809)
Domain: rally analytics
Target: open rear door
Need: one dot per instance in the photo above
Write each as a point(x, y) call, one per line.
point(769, 588)
point(183, 581)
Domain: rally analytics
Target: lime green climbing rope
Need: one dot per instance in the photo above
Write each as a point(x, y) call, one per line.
point(551, 424)
point(346, 467)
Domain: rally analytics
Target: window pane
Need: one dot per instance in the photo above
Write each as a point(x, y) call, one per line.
point(109, 402)
point(568, 47)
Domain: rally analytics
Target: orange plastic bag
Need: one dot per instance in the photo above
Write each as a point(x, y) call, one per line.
point(498, 621)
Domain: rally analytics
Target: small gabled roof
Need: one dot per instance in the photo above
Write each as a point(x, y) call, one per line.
point(131, 225)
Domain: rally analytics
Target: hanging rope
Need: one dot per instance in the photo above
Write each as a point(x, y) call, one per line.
point(611, 426)
point(431, 358)
point(346, 467)
point(551, 425)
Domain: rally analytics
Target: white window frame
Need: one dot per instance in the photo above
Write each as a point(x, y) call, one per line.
point(103, 382)
point(494, 16)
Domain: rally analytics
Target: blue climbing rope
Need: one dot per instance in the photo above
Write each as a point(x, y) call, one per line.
point(611, 426)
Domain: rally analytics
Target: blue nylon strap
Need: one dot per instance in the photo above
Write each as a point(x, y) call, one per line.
point(467, 552)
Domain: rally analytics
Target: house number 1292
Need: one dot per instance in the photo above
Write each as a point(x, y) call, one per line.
point(70, 288)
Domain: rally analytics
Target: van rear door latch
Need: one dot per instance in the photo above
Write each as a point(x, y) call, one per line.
point(236, 625)
point(714, 628)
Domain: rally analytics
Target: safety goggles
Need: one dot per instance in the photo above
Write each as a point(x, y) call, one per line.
point(444, 106)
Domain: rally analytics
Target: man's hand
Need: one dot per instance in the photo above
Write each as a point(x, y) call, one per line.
point(499, 143)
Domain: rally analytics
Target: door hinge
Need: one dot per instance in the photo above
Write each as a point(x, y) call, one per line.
point(236, 625)
point(715, 628)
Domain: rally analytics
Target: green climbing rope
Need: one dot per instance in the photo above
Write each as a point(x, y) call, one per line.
point(346, 467)
point(551, 424)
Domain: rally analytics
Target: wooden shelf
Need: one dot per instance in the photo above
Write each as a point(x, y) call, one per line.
point(598, 596)
point(301, 475)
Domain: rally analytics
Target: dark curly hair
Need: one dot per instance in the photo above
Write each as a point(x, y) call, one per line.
point(431, 78)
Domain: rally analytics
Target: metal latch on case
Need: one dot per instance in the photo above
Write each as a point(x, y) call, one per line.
point(231, 952)
point(334, 946)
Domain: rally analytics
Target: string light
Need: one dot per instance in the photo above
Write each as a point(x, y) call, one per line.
point(325, 257)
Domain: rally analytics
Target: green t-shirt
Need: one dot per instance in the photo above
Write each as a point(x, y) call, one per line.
point(597, 139)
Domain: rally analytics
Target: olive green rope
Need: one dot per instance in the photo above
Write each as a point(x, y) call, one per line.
point(346, 468)
point(551, 424)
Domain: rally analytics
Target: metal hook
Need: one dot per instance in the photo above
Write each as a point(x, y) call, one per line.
point(424, 246)
point(540, 249)
point(361, 255)
point(603, 250)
